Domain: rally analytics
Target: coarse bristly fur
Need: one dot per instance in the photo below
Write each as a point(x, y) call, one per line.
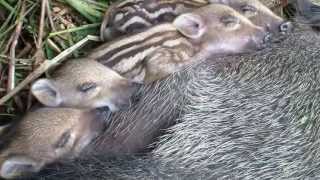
point(308, 12)
point(258, 119)
point(157, 106)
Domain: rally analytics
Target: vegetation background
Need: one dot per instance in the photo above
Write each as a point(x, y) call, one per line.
point(33, 31)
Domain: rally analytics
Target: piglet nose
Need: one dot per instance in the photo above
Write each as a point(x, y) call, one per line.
point(286, 27)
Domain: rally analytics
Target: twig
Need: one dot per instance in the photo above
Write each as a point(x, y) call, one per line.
point(53, 28)
point(75, 29)
point(5, 24)
point(41, 24)
point(53, 46)
point(50, 17)
point(17, 59)
point(6, 49)
point(45, 66)
point(16, 34)
point(39, 56)
point(1, 67)
point(6, 5)
point(25, 50)
point(2, 35)
point(7, 30)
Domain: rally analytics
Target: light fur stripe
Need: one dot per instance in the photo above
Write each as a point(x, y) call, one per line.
point(125, 3)
point(133, 20)
point(187, 2)
point(153, 41)
point(129, 63)
point(176, 42)
point(156, 14)
point(116, 44)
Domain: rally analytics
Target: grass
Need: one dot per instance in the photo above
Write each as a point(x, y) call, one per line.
point(316, 1)
point(32, 31)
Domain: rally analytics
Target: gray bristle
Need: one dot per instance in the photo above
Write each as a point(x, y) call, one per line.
point(258, 122)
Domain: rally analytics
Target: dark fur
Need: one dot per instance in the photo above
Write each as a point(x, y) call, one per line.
point(155, 109)
point(258, 119)
point(305, 11)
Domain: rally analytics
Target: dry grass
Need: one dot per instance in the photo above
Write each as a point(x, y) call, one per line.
point(32, 33)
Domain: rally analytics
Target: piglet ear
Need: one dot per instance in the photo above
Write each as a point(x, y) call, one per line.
point(19, 166)
point(46, 92)
point(190, 25)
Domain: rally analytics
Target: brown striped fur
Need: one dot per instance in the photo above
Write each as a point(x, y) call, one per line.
point(148, 12)
point(129, 56)
point(147, 57)
point(130, 16)
point(164, 49)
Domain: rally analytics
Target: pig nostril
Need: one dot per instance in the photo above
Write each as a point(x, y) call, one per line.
point(286, 27)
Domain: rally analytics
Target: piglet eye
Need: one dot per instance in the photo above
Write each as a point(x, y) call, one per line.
point(63, 140)
point(85, 87)
point(248, 9)
point(229, 20)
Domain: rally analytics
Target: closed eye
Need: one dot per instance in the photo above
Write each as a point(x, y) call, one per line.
point(63, 140)
point(85, 87)
point(229, 20)
point(248, 8)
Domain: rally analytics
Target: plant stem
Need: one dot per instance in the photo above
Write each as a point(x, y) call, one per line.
point(84, 27)
point(6, 5)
